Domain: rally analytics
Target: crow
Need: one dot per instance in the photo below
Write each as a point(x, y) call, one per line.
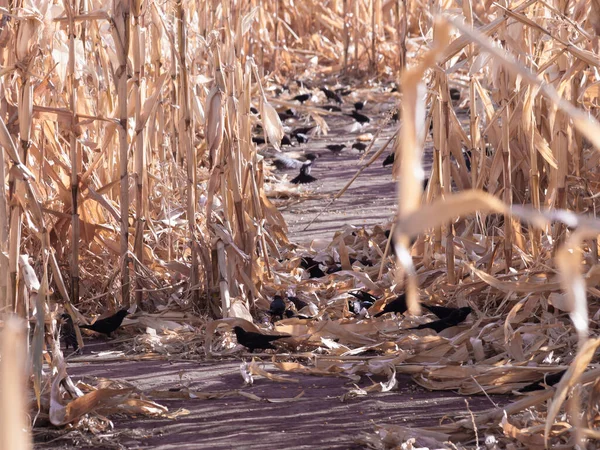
point(359, 105)
point(549, 380)
point(277, 308)
point(108, 325)
point(332, 95)
point(360, 118)
point(302, 97)
point(285, 140)
point(452, 320)
point(444, 312)
point(67, 332)
point(253, 341)
point(359, 146)
point(398, 305)
point(336, 148)
point(389, 159)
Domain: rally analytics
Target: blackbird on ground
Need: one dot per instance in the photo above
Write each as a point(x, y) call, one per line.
point(443, 311)
point(398, 305)
point(67, 332)
point(389, 159)
point(305, 165)
point(360, 146)
point(336, 148)
point(285, 140)
point(359, 105)
point(287, 114)
point(312, 266)
point(302, 97)
point(363, 296)
point(302, 130)
point(452, 320)
point(277, 308)
point(343, 91)
point(549, 380)
point(299, 304)
point(301, 138)
point(332, 95)
point(360, 118)
point(108, 325)
point(454, 94)
point(253, 341)
point(304, 176)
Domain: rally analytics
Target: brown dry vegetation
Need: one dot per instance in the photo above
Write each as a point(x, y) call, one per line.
point(125, 128)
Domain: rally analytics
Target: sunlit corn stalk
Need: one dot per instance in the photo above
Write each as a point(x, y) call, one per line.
point(186, 140)
point(402, 31)
point(140, 156)
point(443, 131)
point(346, 35)
point(121, 36)
point(14, 426)
point(71, 86)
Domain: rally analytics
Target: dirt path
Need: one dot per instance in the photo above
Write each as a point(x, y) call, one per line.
point(317, 420)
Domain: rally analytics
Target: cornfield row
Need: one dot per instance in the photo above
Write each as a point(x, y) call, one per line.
point(130, 175)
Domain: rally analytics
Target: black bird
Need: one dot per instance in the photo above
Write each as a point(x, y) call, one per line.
point(398, 305)
point(277, 308)
point(285, 140)
point(304, 177)
point(356, 306)
point(67, 332)
point(302, 97)
point(299, 304)
point(302, 130)
point(363, 296)
point(359, 105)
point(444, 312)
point(301, 138)
point(336, 148)
point(312, 266)
point(360, 118)
point(452, 320)
point(285, 162)
point(549, 380)
point(253, 110)
point(454, 94)
point(331, 108)
point(389, 159)
point(360, 146)
point(253, 341)
point(287, 114)
point(258, 140)
point(108, 325)
point(343, 91)
point(332, 95)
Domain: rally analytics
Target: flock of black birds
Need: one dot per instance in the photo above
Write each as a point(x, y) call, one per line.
point(302, 135)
